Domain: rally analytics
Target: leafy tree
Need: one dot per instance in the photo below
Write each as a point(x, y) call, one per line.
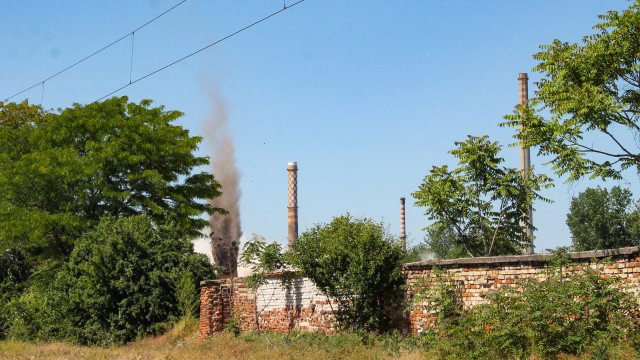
point(263, 258)
point(357, 263)
point(602, 219)
point(60, 173)
point(481, 202)
point(124, 279)
point(441, 242)
point(592, 92)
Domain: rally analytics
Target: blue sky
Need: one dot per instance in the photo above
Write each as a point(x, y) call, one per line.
point(365, 95)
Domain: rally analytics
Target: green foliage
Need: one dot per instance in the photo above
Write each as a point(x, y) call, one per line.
point(438, 296)
point(62, 172)
point(480, 205)
point(263, 258)
point(415, 253)
point(124, 280)
point(565, 314)
point(13, 274)
point(441, 242)
point(591, 91)
point(602, 219)
point(187, 295)
point(355, 262)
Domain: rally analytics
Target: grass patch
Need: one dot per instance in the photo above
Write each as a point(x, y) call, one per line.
point(181, 343)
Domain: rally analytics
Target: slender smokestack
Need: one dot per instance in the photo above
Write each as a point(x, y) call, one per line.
point(292, 169)
point(403, 230)
point(525, 163)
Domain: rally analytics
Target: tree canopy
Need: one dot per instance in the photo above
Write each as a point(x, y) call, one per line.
point(591, 92)
point(603, 219)
point(62, 171)
point(481, 202)
point(98, 207)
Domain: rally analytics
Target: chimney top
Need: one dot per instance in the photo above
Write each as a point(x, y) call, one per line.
point(523, 76)
point(292, 165)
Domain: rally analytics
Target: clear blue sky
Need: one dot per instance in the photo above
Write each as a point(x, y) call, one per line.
point(365, 95)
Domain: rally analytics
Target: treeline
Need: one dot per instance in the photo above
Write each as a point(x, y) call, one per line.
point(98, 208)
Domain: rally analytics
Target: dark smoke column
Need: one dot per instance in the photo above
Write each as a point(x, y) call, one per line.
point(292, 169)
point(225, 228)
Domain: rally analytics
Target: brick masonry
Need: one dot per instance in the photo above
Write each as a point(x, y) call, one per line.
point(301, 306)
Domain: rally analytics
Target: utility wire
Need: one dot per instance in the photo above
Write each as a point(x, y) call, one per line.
point(95, 52)
point(202, 49)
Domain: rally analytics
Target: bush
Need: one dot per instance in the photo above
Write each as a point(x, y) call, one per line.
point(357, 263)
point(125, 279)
point(566, 314)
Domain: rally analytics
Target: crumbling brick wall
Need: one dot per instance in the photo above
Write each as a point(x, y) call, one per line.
point(301, 306)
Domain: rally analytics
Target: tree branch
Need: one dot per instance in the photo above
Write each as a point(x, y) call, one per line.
point(495, 233)
point(620, 145)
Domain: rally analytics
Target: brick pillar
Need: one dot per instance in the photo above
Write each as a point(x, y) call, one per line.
point(211, 309)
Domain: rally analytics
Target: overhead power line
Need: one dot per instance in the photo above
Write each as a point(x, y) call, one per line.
point(131, 33)
point(285, 7)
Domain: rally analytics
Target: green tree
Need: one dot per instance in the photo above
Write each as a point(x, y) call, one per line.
point(592, 94)
point(124, 279)
point(357, 263)
point(441, 242)
point(603, 219)
point(61, 172)
point(263, 258)
point(482, 202)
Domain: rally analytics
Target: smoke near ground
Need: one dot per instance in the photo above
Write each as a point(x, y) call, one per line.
point(225, 228)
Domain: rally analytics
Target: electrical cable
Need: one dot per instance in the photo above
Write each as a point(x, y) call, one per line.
point(95, 52)
point(201, 49)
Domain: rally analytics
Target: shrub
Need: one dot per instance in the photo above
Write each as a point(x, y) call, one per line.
point(355, 262)
point(565, 314)
point(125, 279)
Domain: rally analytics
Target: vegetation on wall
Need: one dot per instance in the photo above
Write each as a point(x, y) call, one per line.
point(357, 263)
point(575, 313)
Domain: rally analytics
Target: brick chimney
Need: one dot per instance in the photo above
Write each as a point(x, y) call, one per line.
point(525, 162)
point(403, 230)
point(292, 169)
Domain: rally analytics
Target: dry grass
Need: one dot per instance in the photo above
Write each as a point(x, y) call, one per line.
point(181, 343)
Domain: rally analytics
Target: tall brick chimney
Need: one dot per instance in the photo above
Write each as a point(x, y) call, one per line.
point(292, 169)
point(525, 162)
point(403, 230)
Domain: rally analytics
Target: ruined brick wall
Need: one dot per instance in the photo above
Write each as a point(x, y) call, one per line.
point(301, 306)
point(275, 306)
point(475, 278)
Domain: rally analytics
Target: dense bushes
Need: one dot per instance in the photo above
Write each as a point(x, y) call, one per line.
point(98, 205)
point(357, 263)
point(124, 279)
point(572, 314)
